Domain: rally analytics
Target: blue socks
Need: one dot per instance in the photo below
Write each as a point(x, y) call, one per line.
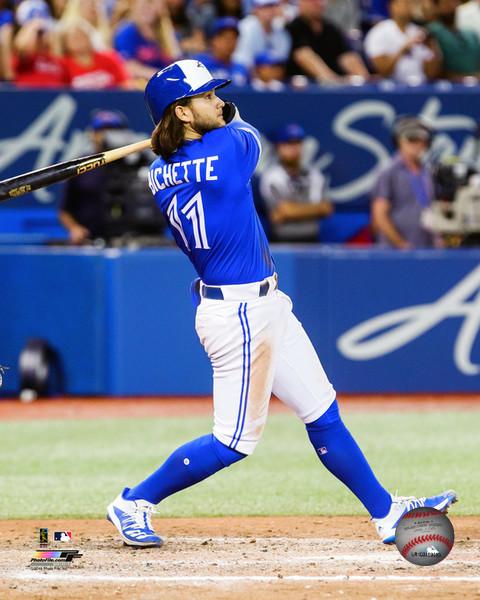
point(340, 454)
point(332, 441)
point(188, 465)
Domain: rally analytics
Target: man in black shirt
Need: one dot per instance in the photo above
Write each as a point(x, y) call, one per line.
point(82, 208)
point(113, 201)
point(319, 50)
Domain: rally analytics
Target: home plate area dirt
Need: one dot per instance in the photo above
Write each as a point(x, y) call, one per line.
point(256, 557)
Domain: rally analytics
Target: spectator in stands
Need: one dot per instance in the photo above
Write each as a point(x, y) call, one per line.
point(82, 209)
point(345, 14)
point(86, 67)
point(113, 201)
point(191, 39)
point(6, 42)
point(262, 31)
point(468, 16)
point(373, 11)
point(93, 11)
point(269, 73)
point(147, 40)
point(219, 61)
point(201, 14)
point(404, 189)
point(401, 50)
point(460, 47)
point(119, 12)
point(319, 50)
point(57, 8)
point(36, 63)
point(229, 8)
point(292, 193)
point(424, 12)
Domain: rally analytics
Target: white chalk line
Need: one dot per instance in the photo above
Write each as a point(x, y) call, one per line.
point(208, 579)
point(371, 559)
point(265, 540)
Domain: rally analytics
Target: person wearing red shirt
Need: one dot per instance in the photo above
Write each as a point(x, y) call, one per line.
point(34, 62)
point(87, 68)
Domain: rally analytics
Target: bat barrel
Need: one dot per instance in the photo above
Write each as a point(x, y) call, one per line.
point(28, 182)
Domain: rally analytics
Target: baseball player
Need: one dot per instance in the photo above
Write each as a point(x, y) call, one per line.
point(201, 181)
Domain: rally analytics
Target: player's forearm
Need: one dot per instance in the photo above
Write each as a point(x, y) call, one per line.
point(313, 65)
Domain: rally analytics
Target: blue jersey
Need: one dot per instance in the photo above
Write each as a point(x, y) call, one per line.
point(204, 193)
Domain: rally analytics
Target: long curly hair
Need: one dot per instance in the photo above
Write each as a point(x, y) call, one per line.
point(168, 135)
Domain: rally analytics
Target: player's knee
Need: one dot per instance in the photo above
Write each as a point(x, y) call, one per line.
point(226, 455)
point(329, 419)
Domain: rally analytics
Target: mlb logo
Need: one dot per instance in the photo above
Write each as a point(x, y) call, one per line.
point(322, 450)
point(62, 536)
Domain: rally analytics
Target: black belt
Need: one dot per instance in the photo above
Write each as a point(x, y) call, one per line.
point(213, 292)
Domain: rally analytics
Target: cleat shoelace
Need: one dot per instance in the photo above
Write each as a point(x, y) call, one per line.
point(141, 518)
point(410, 502)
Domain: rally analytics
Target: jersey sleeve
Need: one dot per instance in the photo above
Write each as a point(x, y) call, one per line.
point(247, 145)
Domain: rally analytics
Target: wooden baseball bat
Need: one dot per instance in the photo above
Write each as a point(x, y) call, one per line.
point(27, 182)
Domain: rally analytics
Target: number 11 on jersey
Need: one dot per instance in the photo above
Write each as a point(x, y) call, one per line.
point(193, 211)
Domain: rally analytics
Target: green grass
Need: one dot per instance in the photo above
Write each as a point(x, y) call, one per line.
point(69, 469)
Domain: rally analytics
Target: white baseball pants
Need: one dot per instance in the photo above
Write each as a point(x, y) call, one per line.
point(256, 345)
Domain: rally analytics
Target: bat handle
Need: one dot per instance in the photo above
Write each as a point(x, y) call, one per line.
point(117, 153)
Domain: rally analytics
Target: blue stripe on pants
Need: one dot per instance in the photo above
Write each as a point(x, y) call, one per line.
point(249, 339)
point(243, 375)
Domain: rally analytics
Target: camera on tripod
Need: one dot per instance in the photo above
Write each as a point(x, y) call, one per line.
point(455, 212)
point(130, 211)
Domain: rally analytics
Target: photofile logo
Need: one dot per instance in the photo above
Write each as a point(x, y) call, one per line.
point(53, 559)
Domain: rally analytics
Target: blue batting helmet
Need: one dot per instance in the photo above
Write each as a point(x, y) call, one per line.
point(182, 79)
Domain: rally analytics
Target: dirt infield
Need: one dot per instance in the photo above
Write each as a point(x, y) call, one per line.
point(289, 558)
point(286, 558)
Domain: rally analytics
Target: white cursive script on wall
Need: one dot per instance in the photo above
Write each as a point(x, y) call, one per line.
point(390, 331)
point(46, 136)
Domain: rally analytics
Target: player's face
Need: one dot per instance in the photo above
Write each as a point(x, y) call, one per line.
point(206, 112)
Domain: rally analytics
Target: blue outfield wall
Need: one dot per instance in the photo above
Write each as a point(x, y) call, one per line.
point(123, 321)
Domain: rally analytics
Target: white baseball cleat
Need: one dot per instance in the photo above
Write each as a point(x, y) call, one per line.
point(132, 518)
point(402, 504)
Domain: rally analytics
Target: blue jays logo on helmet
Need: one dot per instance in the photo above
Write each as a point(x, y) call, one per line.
point(182, 79)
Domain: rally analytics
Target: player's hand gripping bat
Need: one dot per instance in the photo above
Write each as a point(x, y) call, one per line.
point(22, 184)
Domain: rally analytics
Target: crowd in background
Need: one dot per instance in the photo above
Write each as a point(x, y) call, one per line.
point(268, 44)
